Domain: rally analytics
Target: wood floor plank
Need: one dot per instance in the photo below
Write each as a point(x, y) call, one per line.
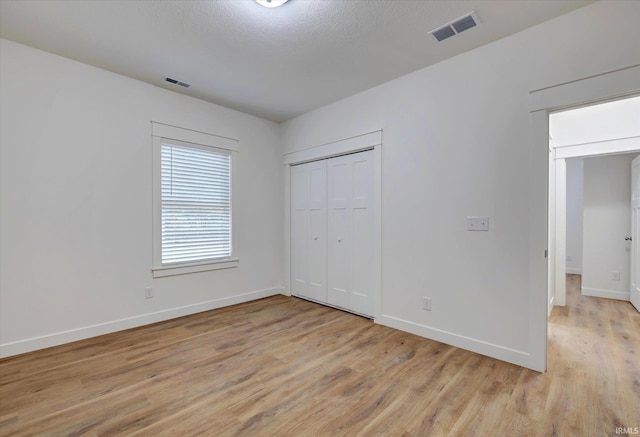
point(282, 366)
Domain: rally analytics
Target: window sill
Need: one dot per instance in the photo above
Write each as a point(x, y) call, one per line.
point(184, 269)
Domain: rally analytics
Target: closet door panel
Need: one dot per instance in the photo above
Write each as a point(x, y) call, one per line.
point(299, 182)
point(362, 262)
point(308, 230)
point(339, 174)
point(339, 193)
point(317, 235)
point(339, 280)
point(350, 212)
point(362, 181)
point(362, 213)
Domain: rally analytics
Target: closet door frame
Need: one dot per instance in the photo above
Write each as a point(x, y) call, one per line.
point(368, 141)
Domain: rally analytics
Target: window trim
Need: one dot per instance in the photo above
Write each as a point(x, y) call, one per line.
point(163, 132)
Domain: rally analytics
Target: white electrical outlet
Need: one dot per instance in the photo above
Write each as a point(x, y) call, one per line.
point(426, 303)
point(148, 292)
point(615, 276)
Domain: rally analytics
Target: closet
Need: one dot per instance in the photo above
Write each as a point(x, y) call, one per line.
point(332, 251)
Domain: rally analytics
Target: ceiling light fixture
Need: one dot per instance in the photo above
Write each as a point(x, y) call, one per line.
point(271, 3)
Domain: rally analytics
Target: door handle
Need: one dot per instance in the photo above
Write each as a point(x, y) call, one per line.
point(627, 238)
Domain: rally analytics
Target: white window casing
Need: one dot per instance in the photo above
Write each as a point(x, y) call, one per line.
point(192, 201)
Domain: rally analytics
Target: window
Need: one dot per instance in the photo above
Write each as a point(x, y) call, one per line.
point(192, 201)
point(196, 204)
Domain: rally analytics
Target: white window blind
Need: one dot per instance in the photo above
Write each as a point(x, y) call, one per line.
point(195, 204)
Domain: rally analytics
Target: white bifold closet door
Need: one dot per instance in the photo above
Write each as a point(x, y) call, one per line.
point(309, 230)
point(346, 240)
point(350, 226)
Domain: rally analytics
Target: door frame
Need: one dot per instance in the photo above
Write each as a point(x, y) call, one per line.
point(634, 297)
point(558, 241)
point(357, 143)
point(610, 85)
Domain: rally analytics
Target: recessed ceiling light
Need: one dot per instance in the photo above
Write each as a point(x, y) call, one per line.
point(271, 3)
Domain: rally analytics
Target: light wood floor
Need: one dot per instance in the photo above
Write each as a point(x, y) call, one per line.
point(286, 367)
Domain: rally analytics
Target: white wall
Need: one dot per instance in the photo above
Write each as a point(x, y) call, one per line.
point(76, 201)
point(457, 142)
point(607, 221)
point(575, 180)
point(596, 123)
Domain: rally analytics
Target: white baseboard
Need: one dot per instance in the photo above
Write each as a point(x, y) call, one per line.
point(58, 338)
point(474, 345)
point(573, 271)
point(594, 292)
point(285, 291)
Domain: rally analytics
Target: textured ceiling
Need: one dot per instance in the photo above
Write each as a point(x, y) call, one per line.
point(272, 63)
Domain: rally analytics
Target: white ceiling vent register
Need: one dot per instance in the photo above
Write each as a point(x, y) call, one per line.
point(455, 27)
point(176, 82)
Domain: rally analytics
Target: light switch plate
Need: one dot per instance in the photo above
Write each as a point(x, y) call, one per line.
point(478, 223)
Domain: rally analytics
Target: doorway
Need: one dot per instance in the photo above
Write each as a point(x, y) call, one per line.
point(607, 129)
point(606, 86)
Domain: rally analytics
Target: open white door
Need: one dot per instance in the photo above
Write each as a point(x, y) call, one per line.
point(635, 227)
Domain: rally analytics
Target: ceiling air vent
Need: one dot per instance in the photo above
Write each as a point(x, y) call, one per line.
point(176, 82)
point(455, 27)
point(443, 33)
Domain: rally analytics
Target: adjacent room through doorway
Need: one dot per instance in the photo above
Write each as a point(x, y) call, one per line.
point(590, 199)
